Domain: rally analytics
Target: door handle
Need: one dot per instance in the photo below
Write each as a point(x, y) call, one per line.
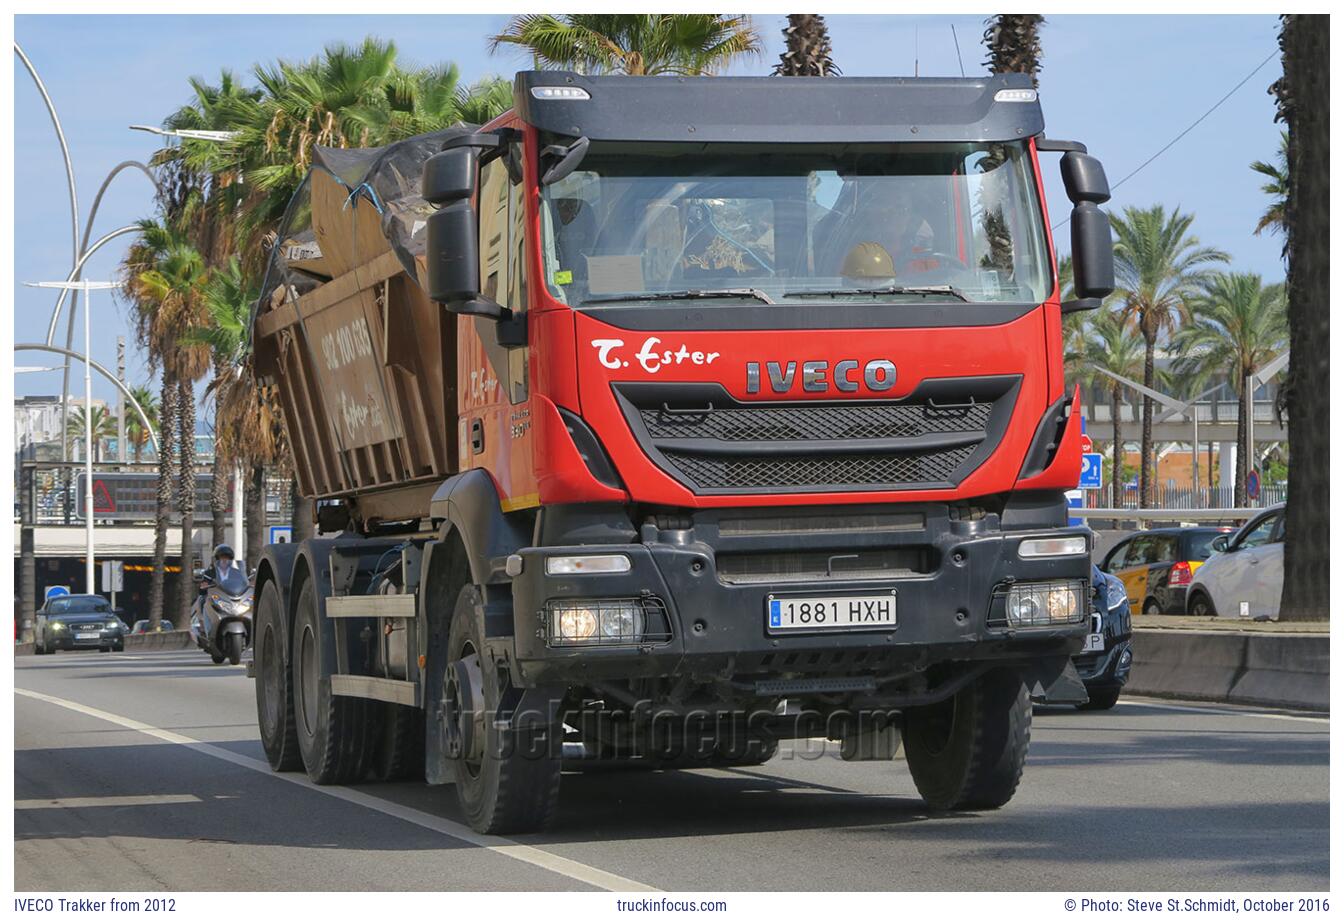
point(477, 436)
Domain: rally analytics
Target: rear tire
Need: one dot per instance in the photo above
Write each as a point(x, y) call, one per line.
point(1100, 700)
point(233, 647)
point(274, 677)
point(968, 750)
point(504, 784)
point(335, 733)
point(1200, 605)
point(401, 744)
point(1151, 608)
point(217, 659)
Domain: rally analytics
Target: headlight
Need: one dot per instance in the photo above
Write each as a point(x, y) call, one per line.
point(58, 625)
point(223, 606)
point(242, 607)
point(604, 621)
point(114, 625)
point(1045, 603)
point(1115, 593)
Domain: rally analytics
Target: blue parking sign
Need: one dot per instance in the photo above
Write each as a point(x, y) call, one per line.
point(1090, 477)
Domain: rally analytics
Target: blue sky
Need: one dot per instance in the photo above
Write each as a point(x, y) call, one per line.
point(1125, 85)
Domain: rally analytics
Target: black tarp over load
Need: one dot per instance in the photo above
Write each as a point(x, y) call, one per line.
point(362, 359)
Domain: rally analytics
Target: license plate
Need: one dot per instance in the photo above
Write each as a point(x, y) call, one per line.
point(833, 613)
point(1095, 642)
point(87, 636)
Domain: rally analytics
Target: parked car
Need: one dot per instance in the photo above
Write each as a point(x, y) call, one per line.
point(142, 626)
point(1244, 577)
point(78, 621)
point(1106, 657)
point(1157, 566)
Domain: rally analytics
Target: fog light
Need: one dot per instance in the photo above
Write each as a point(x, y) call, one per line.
point(1045, 603)
point(605, 564)
point(1052, 546)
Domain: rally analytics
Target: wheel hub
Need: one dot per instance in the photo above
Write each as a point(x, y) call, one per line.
point(463, 712)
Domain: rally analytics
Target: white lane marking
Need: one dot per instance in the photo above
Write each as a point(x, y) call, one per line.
point(522, 852)
point(106, 801)
point(1323, 719)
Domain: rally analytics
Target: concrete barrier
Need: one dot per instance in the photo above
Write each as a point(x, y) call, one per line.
point(162, 641)
point(1259, 669)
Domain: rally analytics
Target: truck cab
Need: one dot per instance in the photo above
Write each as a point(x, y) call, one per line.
point(761, 433)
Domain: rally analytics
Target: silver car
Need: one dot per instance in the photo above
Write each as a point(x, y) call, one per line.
point(1244, 578)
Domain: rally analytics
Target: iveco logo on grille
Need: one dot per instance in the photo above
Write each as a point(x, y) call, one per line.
point(878, 375)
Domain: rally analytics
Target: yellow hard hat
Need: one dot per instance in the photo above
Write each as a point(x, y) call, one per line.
point(868, 260)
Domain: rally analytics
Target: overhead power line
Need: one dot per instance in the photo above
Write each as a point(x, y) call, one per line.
point(1194, 124)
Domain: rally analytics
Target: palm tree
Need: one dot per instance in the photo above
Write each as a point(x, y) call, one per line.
point(1114, 346)
point(638, 44)
point(1014, 44)
point(1276, 188)
point(429, 100)
point(162, 273)
point(1159, 266)
point(1237, 323)
point(136, 433)
point(228, 300)
point(104, 426)
point(1303, 95)
point(807, 48)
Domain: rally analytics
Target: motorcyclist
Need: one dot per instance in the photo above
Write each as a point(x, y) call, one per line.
point(223, 562)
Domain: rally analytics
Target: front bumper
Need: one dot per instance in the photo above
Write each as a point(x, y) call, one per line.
point(717, 620)
point(1108, 669)
point(66, 641)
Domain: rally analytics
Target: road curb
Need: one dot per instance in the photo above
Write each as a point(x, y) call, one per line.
point(1250, 669)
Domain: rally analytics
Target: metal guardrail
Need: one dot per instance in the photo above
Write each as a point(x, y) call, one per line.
point(1167, 514)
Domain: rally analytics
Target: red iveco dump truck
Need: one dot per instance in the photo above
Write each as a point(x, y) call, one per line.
point(663, 419)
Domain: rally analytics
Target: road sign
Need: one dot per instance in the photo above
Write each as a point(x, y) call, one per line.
point(56, 591)
point(281, 534)
point(134, 496)
point(1087, 444)
point(1253, 485)
point(1075, 497)
point(113, 577)
point(1090, 476)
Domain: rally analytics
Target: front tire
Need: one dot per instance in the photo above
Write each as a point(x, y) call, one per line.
point(335, 733)
point(1200, 605)
point(274, 675)
point(507, 782)
point(233, 647)
point(968, 750)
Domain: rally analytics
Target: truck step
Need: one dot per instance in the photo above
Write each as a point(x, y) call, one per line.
point(371, 605)
point(375, 688)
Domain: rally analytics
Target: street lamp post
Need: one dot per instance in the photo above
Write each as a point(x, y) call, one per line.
point(85, 286)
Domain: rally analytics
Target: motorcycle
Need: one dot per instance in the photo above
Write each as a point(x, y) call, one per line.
point(221, 620)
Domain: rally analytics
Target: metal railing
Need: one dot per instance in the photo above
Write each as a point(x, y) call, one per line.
point(1184, 498)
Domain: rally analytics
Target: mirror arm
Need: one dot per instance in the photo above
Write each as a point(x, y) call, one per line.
point(511, 329)
point(1079, 306)
point(1048, 145)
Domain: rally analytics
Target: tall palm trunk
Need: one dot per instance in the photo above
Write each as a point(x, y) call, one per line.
point(186, 474)
point(1117, 448)
point(221, 479)
point(807, 48)
point(1243, 417)
point(163, 506)
point(256, 515)
point(1146, 439)
point(1304, 102)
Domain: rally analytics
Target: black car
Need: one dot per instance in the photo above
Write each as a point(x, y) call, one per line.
point(78, 621)
point(1157, 566)
point(1105, 660)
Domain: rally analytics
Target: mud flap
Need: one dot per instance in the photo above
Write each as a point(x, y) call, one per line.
point(1054, 680)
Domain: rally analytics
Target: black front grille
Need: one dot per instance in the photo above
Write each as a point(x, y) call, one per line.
point(711, 442)
point(877, 471)
point(815, 423)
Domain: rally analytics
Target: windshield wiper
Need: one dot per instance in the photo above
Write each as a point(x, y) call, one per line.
point(684, 295)
point(925, 290)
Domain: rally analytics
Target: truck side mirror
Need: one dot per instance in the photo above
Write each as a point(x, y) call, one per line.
point(1090, 230)
point(452, 258)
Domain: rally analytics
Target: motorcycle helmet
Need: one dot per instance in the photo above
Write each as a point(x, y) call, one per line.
point(224, 550)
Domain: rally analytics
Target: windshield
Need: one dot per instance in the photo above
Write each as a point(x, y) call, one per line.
point(78, 605)
point(742, 224)
point(231, 579)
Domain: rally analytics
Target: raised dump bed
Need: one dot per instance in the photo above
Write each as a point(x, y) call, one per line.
point(363, 360)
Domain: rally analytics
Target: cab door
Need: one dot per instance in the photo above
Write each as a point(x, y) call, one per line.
point(1134, 572)
point(1240, 581)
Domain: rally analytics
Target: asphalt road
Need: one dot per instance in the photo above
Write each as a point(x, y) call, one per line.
point(142, 771)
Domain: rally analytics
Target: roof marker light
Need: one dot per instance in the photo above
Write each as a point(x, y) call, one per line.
point(559, 92)
point(1010, 95)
